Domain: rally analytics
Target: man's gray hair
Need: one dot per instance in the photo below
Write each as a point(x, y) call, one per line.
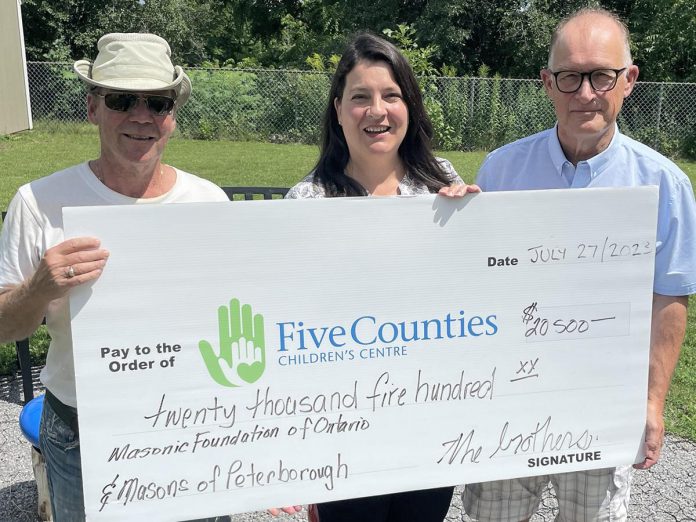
point(596, 11)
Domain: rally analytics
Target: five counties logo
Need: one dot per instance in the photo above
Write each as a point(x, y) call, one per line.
point(240, 356)
point(241, 353)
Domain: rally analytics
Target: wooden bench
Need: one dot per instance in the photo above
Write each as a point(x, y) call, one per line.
point(234, 193)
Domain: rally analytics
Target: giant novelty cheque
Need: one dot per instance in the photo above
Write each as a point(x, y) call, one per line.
point(235, 357)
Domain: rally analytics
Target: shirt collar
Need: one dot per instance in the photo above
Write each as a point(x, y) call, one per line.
point(596, 163)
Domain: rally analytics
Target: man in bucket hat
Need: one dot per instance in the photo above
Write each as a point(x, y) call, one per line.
point(134, 94)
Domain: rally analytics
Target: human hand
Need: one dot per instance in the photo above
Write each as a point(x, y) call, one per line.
point(66, 265)
point(654, 437)
point(290, 510)
point(459, 190)
point(242, 347)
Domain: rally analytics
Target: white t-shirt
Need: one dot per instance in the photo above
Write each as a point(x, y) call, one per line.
point(34, 223)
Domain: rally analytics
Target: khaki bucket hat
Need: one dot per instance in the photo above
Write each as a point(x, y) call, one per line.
point(135, 62)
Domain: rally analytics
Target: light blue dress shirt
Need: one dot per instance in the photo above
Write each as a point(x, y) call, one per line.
point(538, 162)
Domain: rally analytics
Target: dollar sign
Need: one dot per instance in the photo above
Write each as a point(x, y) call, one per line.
point(528, 313)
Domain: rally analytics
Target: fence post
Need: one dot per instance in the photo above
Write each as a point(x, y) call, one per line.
point(656, 142)
point(472, 92)
point(295, 105)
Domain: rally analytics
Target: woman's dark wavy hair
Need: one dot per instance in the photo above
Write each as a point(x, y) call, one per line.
point(416, 149)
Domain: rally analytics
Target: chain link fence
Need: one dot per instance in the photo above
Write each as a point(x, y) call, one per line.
point(286, 106)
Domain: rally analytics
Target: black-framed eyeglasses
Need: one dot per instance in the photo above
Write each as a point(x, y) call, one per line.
point(124, 101)
point(601, 80)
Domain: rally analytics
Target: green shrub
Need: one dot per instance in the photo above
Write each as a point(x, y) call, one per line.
point(456, 108)
point(446, 136)
point(278, 105)
point(688, 149)
point(225, 105)
point(38, 348)
point(293, 106)
point(8, 359)
point(533, 111)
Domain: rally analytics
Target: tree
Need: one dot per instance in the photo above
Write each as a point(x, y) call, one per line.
point(49, 27)
point(510, 37)
point(70, 30)
point(664, 36)
point(185, 24)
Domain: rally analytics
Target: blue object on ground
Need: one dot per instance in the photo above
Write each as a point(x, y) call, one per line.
point(30, 419)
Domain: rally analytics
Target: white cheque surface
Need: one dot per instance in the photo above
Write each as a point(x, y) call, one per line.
point(234, 357)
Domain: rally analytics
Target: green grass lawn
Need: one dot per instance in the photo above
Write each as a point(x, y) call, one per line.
point(680, 411)
point(30, 155)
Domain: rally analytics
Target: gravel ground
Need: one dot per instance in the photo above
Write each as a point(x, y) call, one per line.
point(666, 493)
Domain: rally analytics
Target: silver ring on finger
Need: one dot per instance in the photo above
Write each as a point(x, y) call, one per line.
point(69, 272)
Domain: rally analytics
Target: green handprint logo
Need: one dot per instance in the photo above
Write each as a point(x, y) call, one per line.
point(242, 353)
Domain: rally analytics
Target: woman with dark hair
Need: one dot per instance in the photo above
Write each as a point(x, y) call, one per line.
point(377, 141)
point(377, 137)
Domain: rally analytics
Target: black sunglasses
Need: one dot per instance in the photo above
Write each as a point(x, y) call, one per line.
point(125, 101)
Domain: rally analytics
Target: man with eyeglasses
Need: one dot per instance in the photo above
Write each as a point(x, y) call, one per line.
point(589, 74)
point(134, 94)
